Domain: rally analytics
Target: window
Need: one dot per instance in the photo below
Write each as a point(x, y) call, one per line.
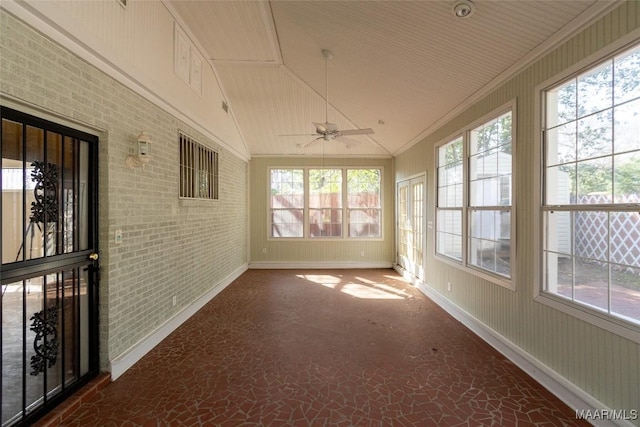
point(287, 203)
point(198, 170)
point(318, 203)
point(490, 160)
point(363, 202)
point(449, 210)
point(475, 197)
point(325, 203)
point(591, 247)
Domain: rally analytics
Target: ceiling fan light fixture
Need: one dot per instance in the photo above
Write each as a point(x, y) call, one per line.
point(463, 9)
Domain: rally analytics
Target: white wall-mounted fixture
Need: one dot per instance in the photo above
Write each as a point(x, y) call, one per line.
point(141, 157)
point(463, 9)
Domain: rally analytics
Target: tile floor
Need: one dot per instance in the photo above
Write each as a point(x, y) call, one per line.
point(322, 348)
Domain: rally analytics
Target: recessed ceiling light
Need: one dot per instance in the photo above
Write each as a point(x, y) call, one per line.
point(463, 9)
point(381, 122)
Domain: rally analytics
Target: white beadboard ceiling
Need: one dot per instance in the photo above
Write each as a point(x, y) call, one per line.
point(409, 64)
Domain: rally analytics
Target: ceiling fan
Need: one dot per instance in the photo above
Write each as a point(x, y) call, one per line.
point(329, 131)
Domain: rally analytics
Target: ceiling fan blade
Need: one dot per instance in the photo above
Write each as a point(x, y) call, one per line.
point(300, 134)
point(308, 144)
point(349, 142)
point(367, 131)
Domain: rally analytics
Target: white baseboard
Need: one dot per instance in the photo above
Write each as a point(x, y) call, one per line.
point(569, 393)
point(120, 364)
point(276, 265)
point(408, 276)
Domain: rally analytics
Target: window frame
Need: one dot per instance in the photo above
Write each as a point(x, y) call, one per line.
point(598, 317)
point(466, 209)
point(197, 148)
point(306, 235)
point(270, 208)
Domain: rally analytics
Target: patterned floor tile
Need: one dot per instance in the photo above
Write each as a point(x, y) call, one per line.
point(304, 348)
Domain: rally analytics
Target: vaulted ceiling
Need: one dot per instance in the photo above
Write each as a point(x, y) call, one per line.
point(401, 68)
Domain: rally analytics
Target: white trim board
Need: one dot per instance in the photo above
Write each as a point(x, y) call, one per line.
point(126, 360)
point(566, 391)
point(316, 265)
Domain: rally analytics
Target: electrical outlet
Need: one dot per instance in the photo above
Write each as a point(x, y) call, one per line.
point(174, 301)
point(264, 250)
point(449, 286)
point(361, 253)
point(118, 236)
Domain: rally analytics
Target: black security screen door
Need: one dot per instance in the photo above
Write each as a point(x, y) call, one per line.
point(49, 264)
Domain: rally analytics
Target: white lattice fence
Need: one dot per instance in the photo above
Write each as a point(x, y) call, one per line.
point(592, 232)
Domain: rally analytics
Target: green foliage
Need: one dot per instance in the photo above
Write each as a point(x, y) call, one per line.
point(325, 180)
point(627, 178)
point(363, 181)
point(494, 135)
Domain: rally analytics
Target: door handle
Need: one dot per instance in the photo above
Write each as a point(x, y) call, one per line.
point(93, 257)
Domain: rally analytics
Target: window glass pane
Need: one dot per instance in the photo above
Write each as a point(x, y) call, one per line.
point(559, 232)
point(595, 181)
point(287, 188)
point(492, 160)
point(450, 153)
point(325, 188)
point(625, 239)
point(627, 126)
point(624, 290)
point(559, 274)
point(627, 78)
point(364, 223)
point(363, 188)
point(561, 144)
point(626, 178)
point(595, 135)
point(560, 185)
point(476, 193)
point(591, 235)
point(325, 222)
point(449, 231)
point(287, 222)
point(592, 283)
point(595, 91)
point(489, 241)
point(561, 104)
point(16, 185)
point(449, 194)
point(493, 134)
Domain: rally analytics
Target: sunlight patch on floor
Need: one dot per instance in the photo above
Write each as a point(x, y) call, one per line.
point(363, 288)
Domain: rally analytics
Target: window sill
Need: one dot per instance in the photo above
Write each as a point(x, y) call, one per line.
point(618, 326)
point(187, 202)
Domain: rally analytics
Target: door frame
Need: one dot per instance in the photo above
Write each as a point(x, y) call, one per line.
point(25, 269)
point(409, 182)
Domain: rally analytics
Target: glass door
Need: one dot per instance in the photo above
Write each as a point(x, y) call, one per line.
point(49, 264)
point(411, 235)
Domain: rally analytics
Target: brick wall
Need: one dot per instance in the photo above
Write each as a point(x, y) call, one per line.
point(170, 246)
